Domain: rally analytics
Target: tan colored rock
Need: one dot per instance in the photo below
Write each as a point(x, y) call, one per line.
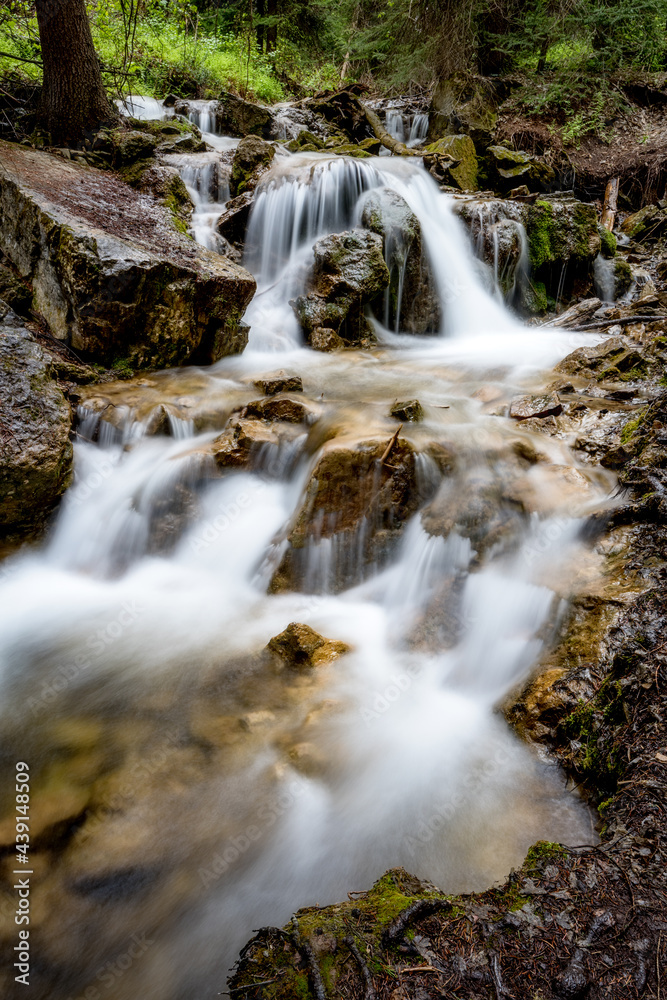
point(236, 444)
point(282, 407)
point(300, 647)
point(280, 381)
point(525, 407)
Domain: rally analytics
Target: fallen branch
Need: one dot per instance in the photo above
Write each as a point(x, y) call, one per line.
point(6, 55)
point(422, 908)
point(388, 450)
point(388, 141)
point(625, 319)
point(610, 201)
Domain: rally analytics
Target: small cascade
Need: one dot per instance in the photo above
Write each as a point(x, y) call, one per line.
point(604, 278)
point(500, 239)
point(144, 108)
point(202, 114)
point(394, 125)
point(418, 130)
point(206, 177)
point(406, 128)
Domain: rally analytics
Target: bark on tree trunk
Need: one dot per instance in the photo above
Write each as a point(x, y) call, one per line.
point(73, 98)
point(388, 141)
point(272, 29)
point(261, 27)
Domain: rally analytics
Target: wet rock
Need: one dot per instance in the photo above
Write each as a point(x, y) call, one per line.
point(460, 150)
point(233, 222)
point(508, 168)
point(411, 409)
point(240, 441)
point(280, 381)
point(613, 359)
point(497, 229)
point(35, 422)
point(563, 241)
point(286, 408)
point(300, 647)
point(524, 407)
point(130, 146)
point(348, 272)
point(410, 303)
point(359, 495)
point(252, 158)
point(237, 117)
point(111, 275)
point(166, 185)
point(648, 225)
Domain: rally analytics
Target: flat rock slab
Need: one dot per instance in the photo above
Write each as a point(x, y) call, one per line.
point(524, 407)
point(111, 275)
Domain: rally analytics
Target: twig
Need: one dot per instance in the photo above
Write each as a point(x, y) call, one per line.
point(420, 968)
point(388, 450)
point(6, 55)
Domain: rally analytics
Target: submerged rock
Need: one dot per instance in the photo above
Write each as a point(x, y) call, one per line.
point(301, 647)
point(348, 272)
point(252, 158)
point(111, 276)
point(408, 410)
point(276, 382)
point(233, 222)
point(411, 303)
point(35, 423)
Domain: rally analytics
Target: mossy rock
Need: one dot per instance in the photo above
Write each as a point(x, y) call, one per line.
point(623, 277)
point(234, 116)
point(461, 149)
point(562, 231)
point(252, 158)
point(648, 225)
point(608, 243)
point(303, 140)
point(509, 168)
point(351, 149)
point(128, 147)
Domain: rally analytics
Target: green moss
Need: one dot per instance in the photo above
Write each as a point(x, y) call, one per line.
point(608, 242)
point(541, 234)
point(122, 368)
point(623, 277)
point(631, 427)
point(460, 148)
point(542, 851)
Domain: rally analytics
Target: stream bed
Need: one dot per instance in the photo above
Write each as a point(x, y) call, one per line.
point(187, 787)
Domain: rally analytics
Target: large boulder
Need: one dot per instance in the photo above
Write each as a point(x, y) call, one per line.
point(234, 116)
point(111, 275)
point(411, 303)
point(358, 495)
point(464, 104)
point(35, 423)
point(509, 168)
point(460, 149)
point(563, 242)
point(252, 158)
point(349, 271)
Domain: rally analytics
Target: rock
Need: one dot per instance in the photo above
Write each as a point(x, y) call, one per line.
point(363, 503)
point(497, 229)
point(166, 185)
point(411, 303)
point(301, 647)
point(409, 410)
point(252, 158)
point(128, 147)
point(524, 407)
point(613, 359)
point(648, 225)
point(256, 720)
point(348, 273)
point(563, 242)
point(461, 150)
point(237, 117)
point(286, 408)
point(233, 222)
point(508, 168)
point(305, 139)
point(110, 274)
point(16, 293)
point(276, 382)
point(240, 441)
point(323, 339)
point(35, 423)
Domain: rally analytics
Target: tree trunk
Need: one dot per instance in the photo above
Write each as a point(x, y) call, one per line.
point(272, 29)
point(73, 98)
point(388, 141)
point(260, 30)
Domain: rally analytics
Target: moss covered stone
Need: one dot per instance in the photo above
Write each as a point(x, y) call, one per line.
point(252, 158)
point(509, 168)
point(461, 149)
point(608, 243)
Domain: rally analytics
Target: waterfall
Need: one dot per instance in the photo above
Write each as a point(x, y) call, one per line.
point(188, 784)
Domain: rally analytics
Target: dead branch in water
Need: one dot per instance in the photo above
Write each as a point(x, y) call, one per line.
point(390, 447)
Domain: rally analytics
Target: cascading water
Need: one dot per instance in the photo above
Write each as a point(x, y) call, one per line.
point(197, 789)
point(410, 129)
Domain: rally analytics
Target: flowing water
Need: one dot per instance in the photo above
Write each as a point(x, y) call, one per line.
point(186, 789)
